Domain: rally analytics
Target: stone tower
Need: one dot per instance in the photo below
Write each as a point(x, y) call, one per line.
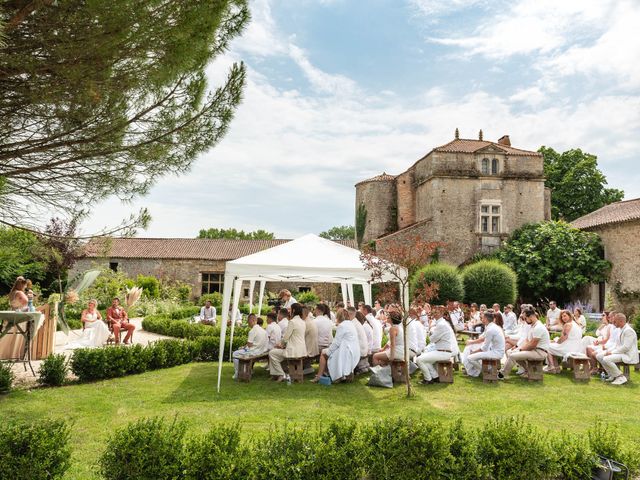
point(376, 207)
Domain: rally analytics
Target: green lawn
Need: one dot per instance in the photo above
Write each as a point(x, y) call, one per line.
point(189, 392)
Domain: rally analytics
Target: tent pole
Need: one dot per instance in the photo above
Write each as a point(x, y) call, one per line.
point(252, 286)
point(343, 287)
point(261, 296)
point(366, 288)
point(226, 300)
point(351, 296)
point(237, 286)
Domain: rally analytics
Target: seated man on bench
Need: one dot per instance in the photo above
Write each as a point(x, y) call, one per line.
point(118, 319)
point(624, 351)
point(257, 343)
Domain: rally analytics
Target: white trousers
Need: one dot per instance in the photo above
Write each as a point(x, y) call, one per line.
point(473, 363)
point(236, 362)
point(276, 357)
point(608, 362)
point(427, 363)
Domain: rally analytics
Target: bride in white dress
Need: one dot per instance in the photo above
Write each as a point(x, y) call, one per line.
point(569, 342)
point(95, 332)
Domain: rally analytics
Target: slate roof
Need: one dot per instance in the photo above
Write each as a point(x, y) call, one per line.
point(617, 212)
point(464, 145)
point(182, 248)
point(383, 177)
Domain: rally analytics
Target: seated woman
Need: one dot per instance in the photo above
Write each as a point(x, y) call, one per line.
point(95, 332)
point(569, 342)
point(343, 354)
point(18, 299)
point(474, 317)
point(607, 337)
point(394, 349)
point(580, 319)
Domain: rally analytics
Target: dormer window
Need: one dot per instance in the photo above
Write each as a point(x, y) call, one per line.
point(494, 166)
point(485, 166)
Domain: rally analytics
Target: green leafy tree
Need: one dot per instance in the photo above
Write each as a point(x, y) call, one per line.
point(553, 259)
point(345, 232)
point(233, 234)
point(100, 99)
point(20, 255)
point(577, 185)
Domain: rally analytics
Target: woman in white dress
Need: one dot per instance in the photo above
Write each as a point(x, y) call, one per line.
point(569, 342)
point(580, 319)
point(343, 354)
point(95, 332)
point(607, 336)
point(394, 349)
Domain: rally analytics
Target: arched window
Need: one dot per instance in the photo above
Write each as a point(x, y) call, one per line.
point(485, 166)
point(494, 166)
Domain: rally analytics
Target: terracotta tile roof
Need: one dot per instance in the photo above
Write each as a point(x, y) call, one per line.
point(464, 145)
point(384, 177)
point(618, 212)
point(182, 248)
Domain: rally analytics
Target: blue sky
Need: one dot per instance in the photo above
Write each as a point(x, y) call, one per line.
point(340, 90)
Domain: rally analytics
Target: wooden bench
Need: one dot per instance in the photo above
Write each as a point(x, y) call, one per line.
point(581, 368)
point(397, 371)
point(296, 369)
point(471, 333)
point(245, 366)
point(445, 371)
point(534, 370)
point(626, 369)
point(490, 369)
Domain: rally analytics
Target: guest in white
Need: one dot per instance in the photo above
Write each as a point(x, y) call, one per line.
point(394, 349)
point(324, 326)
point(292, 345)
point(286, 298)
point(376, 327)
point(274, 334)
point(492, 348)
point(310, 333)
point(378, 308)
point(367, 329)
point(625, 351)
point(362, 336)
point(415, 334)
point(553, 317)
point(580, 319)
point(257, 343)
point(95, 332)
point(441, 347)
point(606, 337)
point(457, 317)
point(283, 319)
point(208, 313)
point(343, 354)
point(474, 317)
point(496, 308)
point(510, 320)
point(569, 342)
point(534, 347)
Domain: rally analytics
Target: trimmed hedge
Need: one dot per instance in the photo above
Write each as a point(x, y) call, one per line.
point(447, 277)
point(53, 371)
point(34, 451)
point(391, 449)
point(489, 282)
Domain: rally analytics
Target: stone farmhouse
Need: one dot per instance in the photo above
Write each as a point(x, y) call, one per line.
point(618, 225)
point(469, 194)
point(195, 261)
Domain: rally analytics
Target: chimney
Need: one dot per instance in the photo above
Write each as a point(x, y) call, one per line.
point(504, 140)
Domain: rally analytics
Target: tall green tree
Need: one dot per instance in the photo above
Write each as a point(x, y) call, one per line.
point(20, 254)
point(577, 185)
point(100, 98)
point(233, 234)
point(345, 232)
point(553, 259)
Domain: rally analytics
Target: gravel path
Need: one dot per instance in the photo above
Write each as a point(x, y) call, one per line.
point(26, 379)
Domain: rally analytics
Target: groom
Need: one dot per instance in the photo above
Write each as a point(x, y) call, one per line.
point(118, 319)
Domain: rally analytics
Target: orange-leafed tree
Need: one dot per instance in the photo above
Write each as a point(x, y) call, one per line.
point(393, 263)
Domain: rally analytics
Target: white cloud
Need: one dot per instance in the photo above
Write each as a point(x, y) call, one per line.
point(434, 8)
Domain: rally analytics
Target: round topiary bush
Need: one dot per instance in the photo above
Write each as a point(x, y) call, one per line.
point(447, 277)
point(488, 282)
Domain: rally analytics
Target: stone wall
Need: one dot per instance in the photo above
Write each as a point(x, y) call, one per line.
point(405, 199)
point(379, 198)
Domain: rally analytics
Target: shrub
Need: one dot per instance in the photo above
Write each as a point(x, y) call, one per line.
point(447, 277)
point(218, 454)
point(34, 450)
point(310, 297)
point(53, 371)
point(605, 440)
point(146, 449)
point(488, 282)
point(150, 285)
point(184, 312)
point(574, 455)
point(6, 377)
point(4, 303)
point(108, 285)
point(509, 447)
point(636, 323)
point(215, 298)
point(463, 448)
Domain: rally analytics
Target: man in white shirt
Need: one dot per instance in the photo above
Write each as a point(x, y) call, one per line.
point(362, 336)
point(625, 350)
point(510, 320)
point(415, 334)
point(273, 330)
point(457, 316)
point(324, 326)
point(492, 347)
point(283, 320)
point(553, 317)
point(208, 313)
point(257, 343)
point(376, 327)
point(534, 347)
point(440, 347)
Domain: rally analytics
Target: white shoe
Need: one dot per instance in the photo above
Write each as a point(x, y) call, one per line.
point(521, 371)
point(621, 380)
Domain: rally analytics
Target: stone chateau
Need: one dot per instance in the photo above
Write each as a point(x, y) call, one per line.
point(470, 194)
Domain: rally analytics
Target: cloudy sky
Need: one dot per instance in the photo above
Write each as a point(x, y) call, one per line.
point(340, 90)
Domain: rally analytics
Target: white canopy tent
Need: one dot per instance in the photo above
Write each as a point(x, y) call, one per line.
point(305, 259)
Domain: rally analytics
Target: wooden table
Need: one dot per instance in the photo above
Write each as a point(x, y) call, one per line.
point(24, 324)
